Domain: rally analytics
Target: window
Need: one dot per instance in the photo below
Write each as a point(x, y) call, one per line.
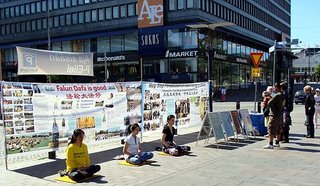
point(94, 15)
point(18, 30)
point(108, 13)
point(68, 3)
point(116, 43)
point(38, 6)
point(17, 11)
point(86, 1)
point(56, 21)
point(173, 38)
point(80, 2)
point(13, 29)
point(39, 25)
point(33, 8)
point(189, 3)
point(62, 20)
point(101, 14)
point(81, 17)
point(74, 18)
point(181, 4)
point(172, 4)
point(12, 11)
point(33, 25)
point(115, 12)
point(87, 16)
point(61, 4)
point(23, 26)
point(55, 4)
point(7, 13)
point(130, 9)
point(103, 44)
point(68, 19)
point(74, 2)
point(44, 23)
point(28, 26)
point(44, 6)
point(123, 11)
point(131, 41)
point(22, 10)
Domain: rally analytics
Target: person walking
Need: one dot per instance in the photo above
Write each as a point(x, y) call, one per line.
point(309, 111)
point(276, 117)
point(317, 107)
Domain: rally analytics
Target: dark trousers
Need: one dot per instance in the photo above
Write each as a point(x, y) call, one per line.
point(310, 126)
point(76, 175)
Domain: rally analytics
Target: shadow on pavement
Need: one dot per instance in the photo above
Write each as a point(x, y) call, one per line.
point(300, 149)
point(52, 168)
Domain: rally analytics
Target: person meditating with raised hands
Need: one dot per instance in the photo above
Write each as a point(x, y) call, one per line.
point(132, 149)
point(168, 143)
point(78, 160)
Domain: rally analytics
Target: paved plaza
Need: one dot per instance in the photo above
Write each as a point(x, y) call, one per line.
point(243, 163)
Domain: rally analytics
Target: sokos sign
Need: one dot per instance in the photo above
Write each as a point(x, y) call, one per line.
point(150, 13)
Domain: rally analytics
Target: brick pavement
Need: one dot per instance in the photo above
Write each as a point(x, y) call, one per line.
point(243, 163)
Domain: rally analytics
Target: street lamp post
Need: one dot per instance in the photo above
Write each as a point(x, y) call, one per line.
point(210, 51)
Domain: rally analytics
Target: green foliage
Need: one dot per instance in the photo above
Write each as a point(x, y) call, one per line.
point(317, 70)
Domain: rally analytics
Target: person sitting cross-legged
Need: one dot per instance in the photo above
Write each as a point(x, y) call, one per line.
point(132, 149)
point(78, 160)
point(168, 143)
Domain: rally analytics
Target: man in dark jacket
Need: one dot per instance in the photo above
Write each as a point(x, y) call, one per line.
point(276, 117)
point(309, 111)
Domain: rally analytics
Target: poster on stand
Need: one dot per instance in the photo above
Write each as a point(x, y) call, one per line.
point(187, 102)
point(42, 116)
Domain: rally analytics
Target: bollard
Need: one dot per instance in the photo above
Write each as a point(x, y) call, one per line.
point(259, 107)
point(52, 155)
point(238, 105)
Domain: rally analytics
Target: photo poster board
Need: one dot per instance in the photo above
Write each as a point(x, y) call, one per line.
point(187, 102)
point(244, 114)
point(236, 121)
point(40, 116)
point(227, 123)
point(216, 124)
point(2, 141)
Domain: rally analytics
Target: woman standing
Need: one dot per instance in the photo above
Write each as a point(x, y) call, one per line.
point(309, 111)
point(168, 143)
point(78, 161)
point(132, 147)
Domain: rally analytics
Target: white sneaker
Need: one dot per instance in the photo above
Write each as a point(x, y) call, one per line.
point(268, 146)
point(276, 145)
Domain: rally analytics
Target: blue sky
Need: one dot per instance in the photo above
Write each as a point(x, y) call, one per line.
point(305, 22)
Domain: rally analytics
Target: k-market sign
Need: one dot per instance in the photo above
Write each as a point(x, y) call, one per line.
point(150, 13)
point(181, 54)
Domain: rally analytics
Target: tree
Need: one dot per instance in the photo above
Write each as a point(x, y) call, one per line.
point(317, 71)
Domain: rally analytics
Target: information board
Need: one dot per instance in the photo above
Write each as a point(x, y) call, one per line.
point(227, 123)
point(244, 114)
point(215, 121)
point(236, 121)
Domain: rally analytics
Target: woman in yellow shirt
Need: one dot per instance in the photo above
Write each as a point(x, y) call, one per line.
point(78, 161)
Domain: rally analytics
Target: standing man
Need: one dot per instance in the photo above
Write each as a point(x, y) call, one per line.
point(286, 114)
point(309, 111)
point(276, 114)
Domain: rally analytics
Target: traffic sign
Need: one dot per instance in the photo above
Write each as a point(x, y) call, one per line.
point(256, 58)
point(256, 72)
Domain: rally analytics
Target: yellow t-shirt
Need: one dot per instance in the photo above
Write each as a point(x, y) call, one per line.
point(77, 157)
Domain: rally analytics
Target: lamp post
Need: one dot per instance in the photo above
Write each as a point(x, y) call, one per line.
point(210, 50)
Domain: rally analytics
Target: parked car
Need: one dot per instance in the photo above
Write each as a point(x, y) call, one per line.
point(299, 97)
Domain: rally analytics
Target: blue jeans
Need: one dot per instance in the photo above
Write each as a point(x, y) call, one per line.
point(138, 159)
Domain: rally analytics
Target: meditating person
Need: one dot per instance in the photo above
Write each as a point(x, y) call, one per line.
point(168, 143)
point(78, 160)
point(132, 149)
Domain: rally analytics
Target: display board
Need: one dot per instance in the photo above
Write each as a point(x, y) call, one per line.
point(227, 123)
point(246, 121)
point(215, 121)
point(236, 121)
